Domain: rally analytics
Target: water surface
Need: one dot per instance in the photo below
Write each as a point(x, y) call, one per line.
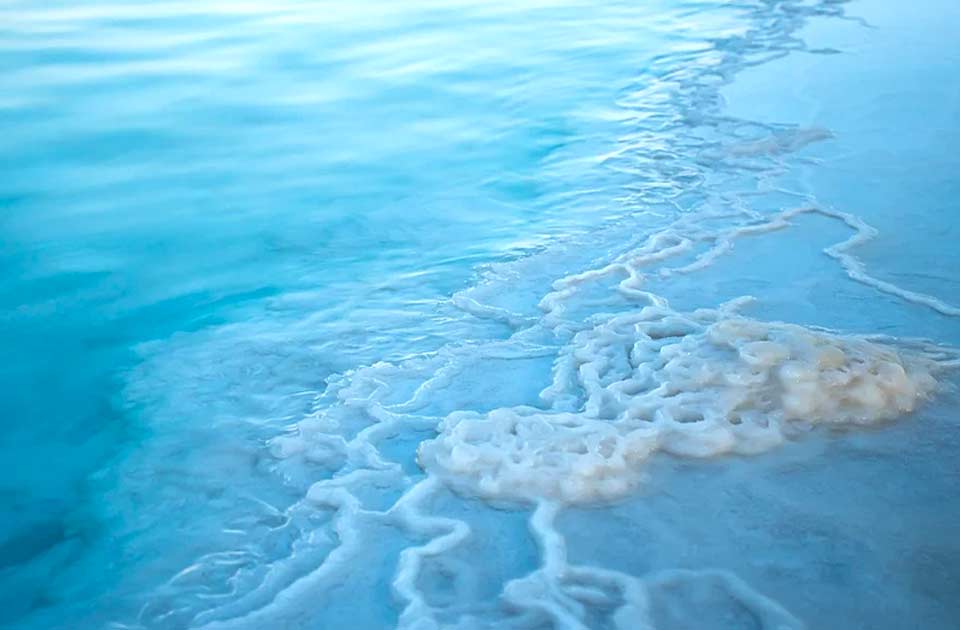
point(214, 217)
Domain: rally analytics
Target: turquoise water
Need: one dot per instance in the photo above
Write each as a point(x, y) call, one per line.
point(252, 256)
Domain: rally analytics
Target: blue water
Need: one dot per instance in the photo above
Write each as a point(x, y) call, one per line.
point(211, 211)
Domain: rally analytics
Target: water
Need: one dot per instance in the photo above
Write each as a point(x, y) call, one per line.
point(252, 256)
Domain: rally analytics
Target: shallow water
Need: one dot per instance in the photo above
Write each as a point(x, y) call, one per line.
point(253, 257)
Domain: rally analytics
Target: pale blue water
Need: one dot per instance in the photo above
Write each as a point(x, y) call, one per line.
point(207, 210)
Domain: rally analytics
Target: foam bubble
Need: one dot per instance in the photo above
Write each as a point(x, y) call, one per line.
point(697, 384)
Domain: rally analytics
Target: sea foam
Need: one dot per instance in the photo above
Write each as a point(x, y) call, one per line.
point(692, 384)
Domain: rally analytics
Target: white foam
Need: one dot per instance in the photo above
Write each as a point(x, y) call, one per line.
point(694, 384)
point(570, 596)
point(683, 236)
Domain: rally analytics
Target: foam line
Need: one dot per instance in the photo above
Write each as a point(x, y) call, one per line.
point(540, 591)
point(769, 613)
point(857, 270)
point(680, 237)
point(485, 311)
point(564, 593)
point(273, 603)
point(416, 612)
